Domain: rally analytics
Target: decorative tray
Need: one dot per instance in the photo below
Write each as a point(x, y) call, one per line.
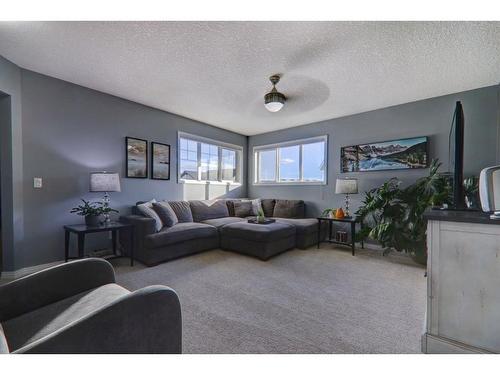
point(266, 221)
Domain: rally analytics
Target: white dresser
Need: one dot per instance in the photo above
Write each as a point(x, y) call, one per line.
point(463, 283)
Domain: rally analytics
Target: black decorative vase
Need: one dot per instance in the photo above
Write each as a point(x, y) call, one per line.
point(93, 220)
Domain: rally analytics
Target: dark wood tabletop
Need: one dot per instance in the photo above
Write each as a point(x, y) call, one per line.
point(349, 219)
point(83, 228)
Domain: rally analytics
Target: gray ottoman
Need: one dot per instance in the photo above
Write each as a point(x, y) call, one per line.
point(259, 240)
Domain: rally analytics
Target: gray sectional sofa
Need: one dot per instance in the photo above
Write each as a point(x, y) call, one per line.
point(197, 226)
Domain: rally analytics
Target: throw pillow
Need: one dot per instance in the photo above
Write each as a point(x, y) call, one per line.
point(230, 205)
point(166, 214)
point(243, 209)
point(147, 210)
point(292, 209)
point(182, 211)
point(205, 210)
point(268, 207)
point(256, 205)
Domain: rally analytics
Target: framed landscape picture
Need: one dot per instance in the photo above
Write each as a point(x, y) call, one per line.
point(136, 157)
point(160, 161)
point(408, 153)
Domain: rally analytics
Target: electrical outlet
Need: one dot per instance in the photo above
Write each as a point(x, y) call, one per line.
point(37, 182)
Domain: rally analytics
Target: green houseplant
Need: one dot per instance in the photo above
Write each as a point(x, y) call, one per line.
point(471, 190)
point(329, 212)
point(393, 216)
point(92, 211)
point(260, 215)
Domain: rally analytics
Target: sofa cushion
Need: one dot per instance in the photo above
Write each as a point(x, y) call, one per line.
point(221, 221)
point(205, 210)
point(39, 323)
point(182, 210)
point(258, 232)
point(268, 207)
point(179, 233)
point(292, 209)
point(303, 226)
point(243, 208)
point(146, 209)
point(166, 213)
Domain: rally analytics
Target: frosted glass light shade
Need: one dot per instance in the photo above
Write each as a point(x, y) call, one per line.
point(104, 182)
point(346, 186)
point(274, 106)
point(274, 100)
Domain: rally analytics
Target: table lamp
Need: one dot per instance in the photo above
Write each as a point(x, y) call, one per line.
point(346, 186)
point(104, 182)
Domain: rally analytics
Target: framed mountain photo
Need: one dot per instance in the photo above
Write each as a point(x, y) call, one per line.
point(136, 158)
point(408, 153)
point(160, 161)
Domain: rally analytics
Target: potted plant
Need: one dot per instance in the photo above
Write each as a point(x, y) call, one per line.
point(92, 211)
point(329, 212)
point(393, 216)
point(471, 190)
point(260, 215)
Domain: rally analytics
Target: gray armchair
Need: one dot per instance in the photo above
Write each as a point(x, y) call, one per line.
point(77, 307)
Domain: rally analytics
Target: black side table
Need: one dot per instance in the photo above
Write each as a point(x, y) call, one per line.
point(350, 220)
point(81, 230)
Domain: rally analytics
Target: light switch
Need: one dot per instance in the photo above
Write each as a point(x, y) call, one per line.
point(37, 182)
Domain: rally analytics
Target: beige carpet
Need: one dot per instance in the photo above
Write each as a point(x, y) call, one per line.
point(312, 301)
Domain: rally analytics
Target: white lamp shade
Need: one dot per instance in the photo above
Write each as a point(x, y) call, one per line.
point(104, 182)
point(274, 106)
point(346, 186)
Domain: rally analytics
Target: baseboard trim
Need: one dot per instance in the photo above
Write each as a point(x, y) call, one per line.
point(440, 345)
point(12, 275)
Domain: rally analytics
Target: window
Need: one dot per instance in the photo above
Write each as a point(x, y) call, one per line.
point(209, 162)
point(289, 158)
point(228, 164)
point(188, 159)
point(202, 159)
point(297, 162)
point(267, 165)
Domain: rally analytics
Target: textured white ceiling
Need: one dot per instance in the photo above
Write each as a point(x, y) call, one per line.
point(217, 72)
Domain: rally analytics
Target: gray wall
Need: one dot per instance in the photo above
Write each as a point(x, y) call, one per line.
point(61, 132)
point(69, 131)
point(431, 117)
point(11, 164)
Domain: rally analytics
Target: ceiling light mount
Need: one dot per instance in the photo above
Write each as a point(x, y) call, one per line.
point(274, 100)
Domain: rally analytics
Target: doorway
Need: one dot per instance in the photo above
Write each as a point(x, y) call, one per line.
point(5, 123)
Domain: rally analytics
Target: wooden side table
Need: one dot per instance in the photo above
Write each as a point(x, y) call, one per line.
point(350, 220)
point(81, 230)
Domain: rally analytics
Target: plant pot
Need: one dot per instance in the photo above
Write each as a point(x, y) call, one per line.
point(420, 257)
point(93, 220)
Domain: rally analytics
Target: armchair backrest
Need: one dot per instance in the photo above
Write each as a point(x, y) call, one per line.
point(4, 348)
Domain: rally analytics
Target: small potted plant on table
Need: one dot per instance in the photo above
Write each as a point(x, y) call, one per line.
point(92, 211)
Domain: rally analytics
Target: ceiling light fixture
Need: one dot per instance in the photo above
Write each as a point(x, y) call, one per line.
point(274, 100)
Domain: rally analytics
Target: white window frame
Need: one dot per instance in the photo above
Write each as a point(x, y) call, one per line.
point(276, 147)
point(220, 145)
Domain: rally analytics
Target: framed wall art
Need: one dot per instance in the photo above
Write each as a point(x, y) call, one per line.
point(136, 160)
point(408, 153)
point(160, 161)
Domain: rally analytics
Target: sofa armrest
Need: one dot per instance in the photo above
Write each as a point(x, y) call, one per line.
point(53, 284)
point(145, 321)
point(146, 224)
point(143, 226)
